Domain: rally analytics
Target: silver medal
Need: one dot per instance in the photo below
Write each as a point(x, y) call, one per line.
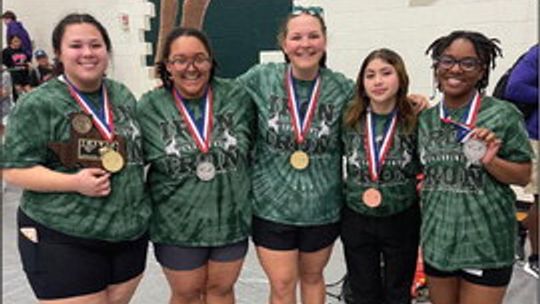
point(474, 150)
point(206, 171)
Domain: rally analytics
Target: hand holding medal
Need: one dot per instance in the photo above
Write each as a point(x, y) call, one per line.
point(490, 141)
point(93, 182)
point(474, 146)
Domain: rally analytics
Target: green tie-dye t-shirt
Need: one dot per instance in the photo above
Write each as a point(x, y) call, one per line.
point(312, 196)
point(41, 117)
point(468, 215)
point(397, 178)
point(186, 210)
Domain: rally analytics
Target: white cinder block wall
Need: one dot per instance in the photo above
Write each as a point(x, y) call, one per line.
point(129, 49)
point(355, 27)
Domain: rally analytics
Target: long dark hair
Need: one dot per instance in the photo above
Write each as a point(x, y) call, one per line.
point(361, 101)
point(60, 29)
point(486, 48)
point(177, 32)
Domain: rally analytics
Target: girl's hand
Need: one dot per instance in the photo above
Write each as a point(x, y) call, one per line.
point(93, 182)
point(418, 102)
point(493, 144)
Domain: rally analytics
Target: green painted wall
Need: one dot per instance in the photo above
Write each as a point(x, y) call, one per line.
point(238, 30)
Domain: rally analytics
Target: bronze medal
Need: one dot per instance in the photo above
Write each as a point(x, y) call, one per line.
point(81, 123)
point(299, 160)
point(372, 197)
point(111, 160)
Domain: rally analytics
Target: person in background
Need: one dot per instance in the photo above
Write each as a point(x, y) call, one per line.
point(381, 217)
point(196, 133)
point(16, 28)
point(43, 71)
point(18, 63)
point(6, 98)
point(522, 90)
point(472, 148)
point(81, 230)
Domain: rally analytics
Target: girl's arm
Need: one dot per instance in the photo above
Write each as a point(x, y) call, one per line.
point(505, 171)
point(89, 182)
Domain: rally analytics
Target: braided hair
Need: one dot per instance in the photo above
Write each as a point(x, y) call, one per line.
point(487, 49)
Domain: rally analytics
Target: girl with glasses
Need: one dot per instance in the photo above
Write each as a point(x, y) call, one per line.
point(196, 137)
point(472, 147)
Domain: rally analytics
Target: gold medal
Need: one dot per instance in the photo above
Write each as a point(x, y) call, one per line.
point(372, 197)
point(299, 160)
point(81, 123)
point(111, 160)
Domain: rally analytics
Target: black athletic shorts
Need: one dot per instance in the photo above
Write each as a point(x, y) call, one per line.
point(278, 236)
point(492, 277)
point(189, 258)
point(58, 265)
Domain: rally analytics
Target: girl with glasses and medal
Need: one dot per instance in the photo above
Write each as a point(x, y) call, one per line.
point(74, 146)
point(381, 219)
point(296, 171)
point(472, 148)
point(196, 136)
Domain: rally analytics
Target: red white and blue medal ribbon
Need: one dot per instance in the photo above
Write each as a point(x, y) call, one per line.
point(102, 118)
point(200, 133)
point(301, 126)
point(376, 155)
point(467, 122)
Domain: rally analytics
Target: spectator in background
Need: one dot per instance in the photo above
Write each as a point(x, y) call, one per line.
point(522, 90)
point(18, 64)
point(6, 98)
point(15, 28)
point(43, 71)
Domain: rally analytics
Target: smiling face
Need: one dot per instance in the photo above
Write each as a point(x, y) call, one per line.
point(189, 65)
point(381, 83)
point(457, 84)
point(84, 55)
point(304, 44)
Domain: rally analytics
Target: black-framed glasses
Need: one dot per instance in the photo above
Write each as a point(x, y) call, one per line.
point(199, 62)
point(467, 64)
point(310, 10)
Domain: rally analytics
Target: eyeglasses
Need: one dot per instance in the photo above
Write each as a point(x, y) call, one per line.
point(199, 62)
point(310, 10)
point(467, 64)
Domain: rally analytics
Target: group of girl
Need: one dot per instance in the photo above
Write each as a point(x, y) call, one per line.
point(261, 156)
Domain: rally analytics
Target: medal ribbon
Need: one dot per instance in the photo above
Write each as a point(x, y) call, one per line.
point(467, 122)
point(376, 155)
point(300, 124)
point(199, 133)
point(102, 118)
